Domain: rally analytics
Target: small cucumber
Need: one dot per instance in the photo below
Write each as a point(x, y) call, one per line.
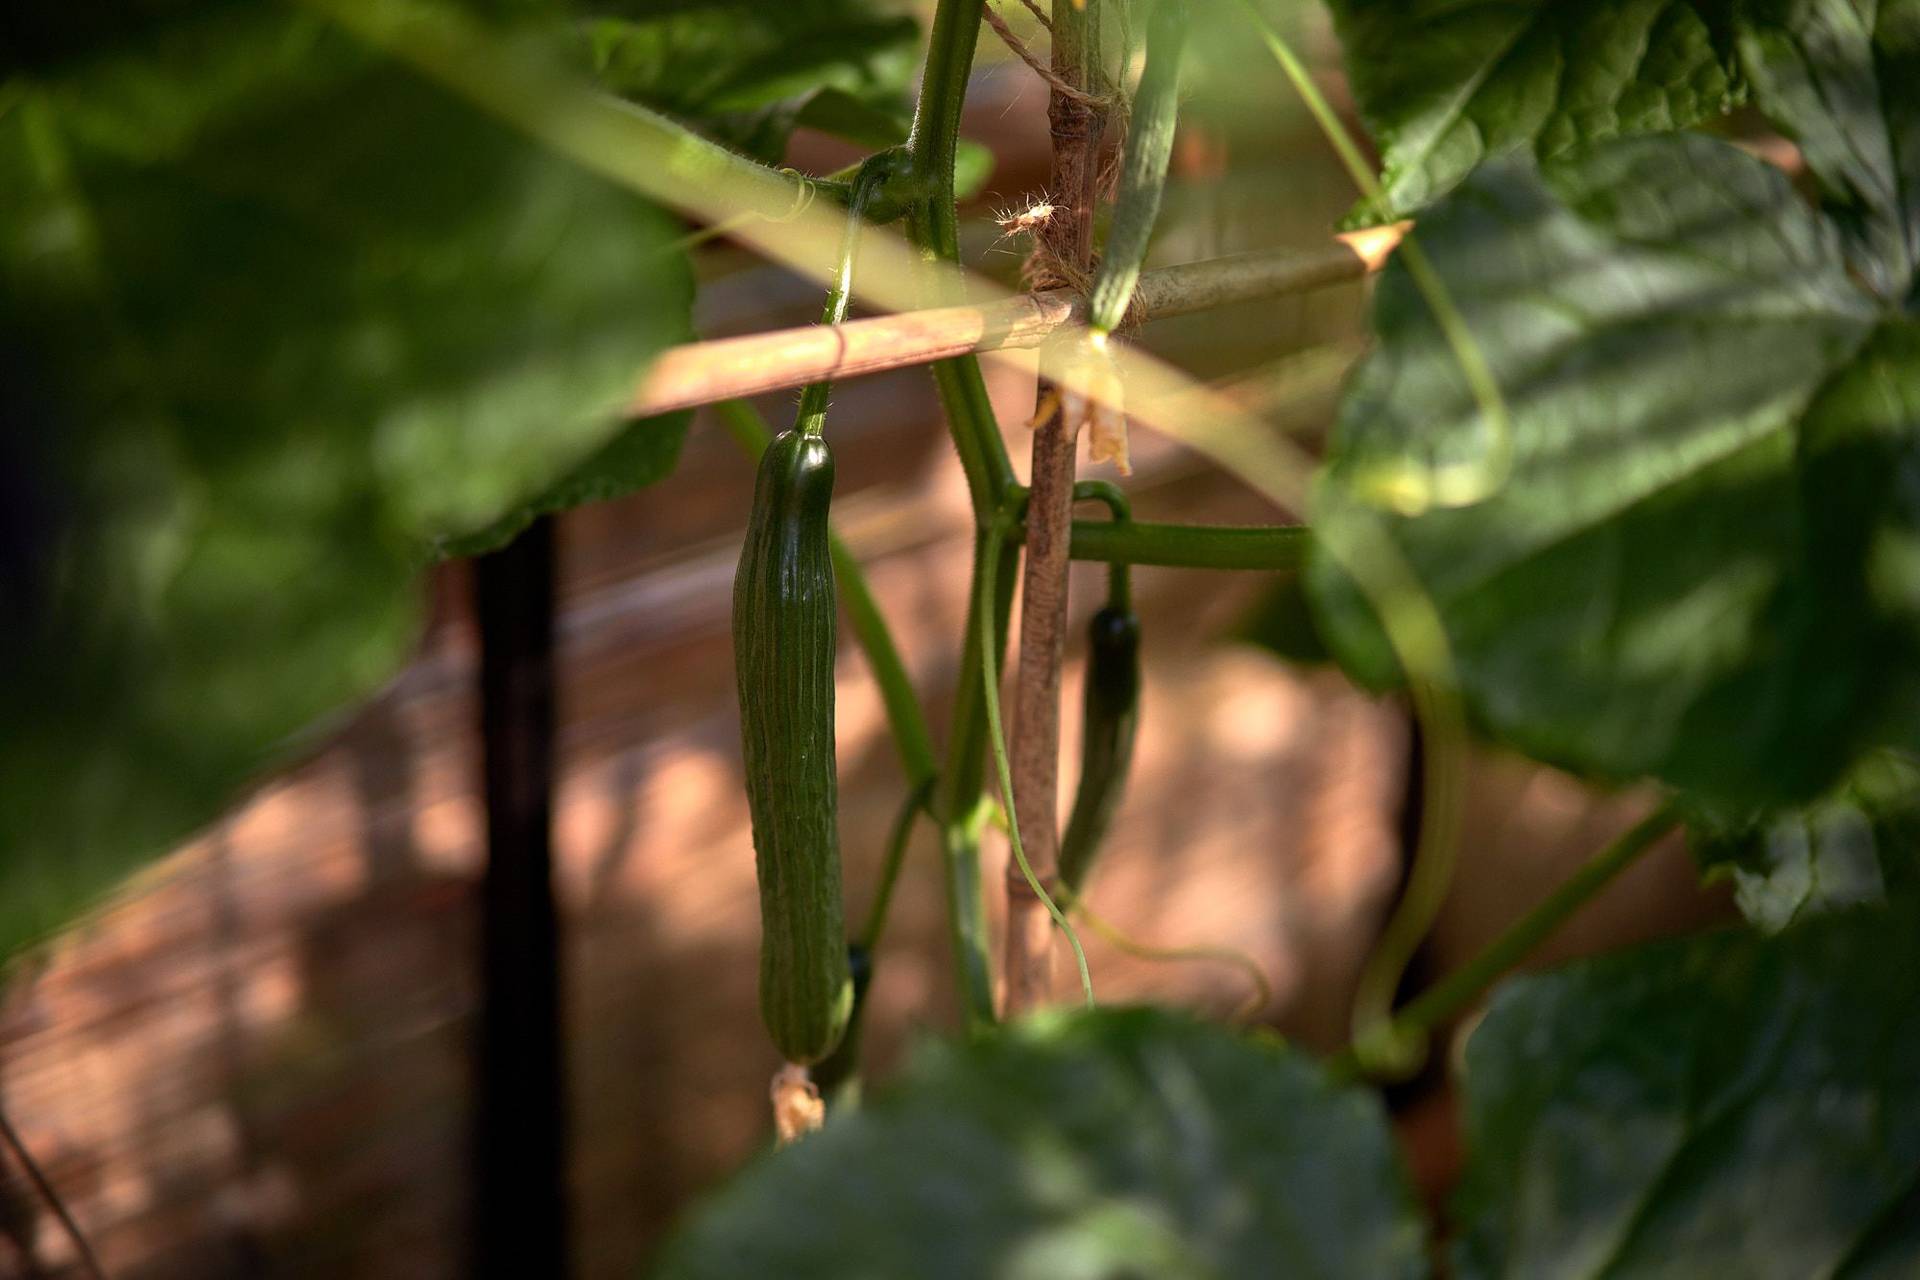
point(1110, 714)
point(783, 637)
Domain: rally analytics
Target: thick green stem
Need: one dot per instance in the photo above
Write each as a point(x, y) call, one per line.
point(904, 716)
point(1399, 1044)
point(1278, 547)
point(958, 803)
point(934, 227)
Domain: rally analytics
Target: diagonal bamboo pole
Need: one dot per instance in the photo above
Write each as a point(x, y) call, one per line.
point(699, 373)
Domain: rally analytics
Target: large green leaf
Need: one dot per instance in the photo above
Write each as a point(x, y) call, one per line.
point(1723, 1106)
point(1858, 846)
point(1078, 1146)
point(286, 318)
point(1446, 84)
point(747, 72)
point(1690, 570)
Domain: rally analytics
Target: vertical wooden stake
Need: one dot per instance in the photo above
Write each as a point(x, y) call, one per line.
point(1078, 127)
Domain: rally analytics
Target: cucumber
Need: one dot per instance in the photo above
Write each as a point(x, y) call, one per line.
point(1110, 715)
point(783, 636)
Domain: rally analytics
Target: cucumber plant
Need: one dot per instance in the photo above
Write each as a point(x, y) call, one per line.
point(1625, 480)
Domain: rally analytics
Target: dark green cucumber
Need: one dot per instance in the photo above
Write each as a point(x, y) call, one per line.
point(783, 638)
point(1110, 714)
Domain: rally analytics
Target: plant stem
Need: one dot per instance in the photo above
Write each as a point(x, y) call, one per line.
point(868, 939)
point(842, 1067)
point(812, 418)
point(1277, 547)
point(958, 802)
point(934, 227)
point(1393, 1044)
point(1077, 128)
point(904, 716)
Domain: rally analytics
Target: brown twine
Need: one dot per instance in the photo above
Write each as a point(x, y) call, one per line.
point(1041, 69)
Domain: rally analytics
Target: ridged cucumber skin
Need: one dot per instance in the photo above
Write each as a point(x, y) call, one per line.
point(783, 636)
point(1143, 167)
point(1110, 716)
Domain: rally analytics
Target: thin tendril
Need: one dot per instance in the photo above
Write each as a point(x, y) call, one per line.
point(1464, 484)
point(996, 739)
point(1257, 999)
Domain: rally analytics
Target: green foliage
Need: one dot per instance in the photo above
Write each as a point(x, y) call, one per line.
point(1281, 622)
point(1709, 426)
point(1722, 1106)
point(643, 453)
point(294, 318)
point(748, 72)
point(1446, 85)
point(1081, 1145)
point(1842, 79)
point(1859, 845)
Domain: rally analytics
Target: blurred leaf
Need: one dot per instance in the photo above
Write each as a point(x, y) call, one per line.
point(972, 166)
point(1858, 846)
point(1722, 1106)
point(643, 453)
point(286, 318)
point(1122, 1142)
point(1281, 622)
point(747, 72)
point(1713, 483)
point(1444, 85)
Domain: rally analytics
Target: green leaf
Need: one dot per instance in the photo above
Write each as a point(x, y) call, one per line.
point(1858, 846)
point(1842, 78)
point(1281, 622)
point(748, 72)
point(1730, 1105)
point(1703, 536)
point(644, 453)
point(1447, 84)
point(1120, 1142)
point(290, 318)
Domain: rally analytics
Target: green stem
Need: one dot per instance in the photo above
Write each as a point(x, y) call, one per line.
point(958, 803)
point(1398, 1043)
point(838, 1075)
point(904, 716)
point(869, 936)
point(934, 227)
point(812, 418)
point(1119, 511)
point(997, 743)
point(1279, 547)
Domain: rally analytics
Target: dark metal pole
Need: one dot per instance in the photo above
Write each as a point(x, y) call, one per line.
point(520, 1212)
